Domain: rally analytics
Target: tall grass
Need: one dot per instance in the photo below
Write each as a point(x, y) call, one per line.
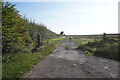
point(101, 48)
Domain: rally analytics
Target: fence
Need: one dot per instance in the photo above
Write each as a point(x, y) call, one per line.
point(100, 36)
point(39, 38)
point(46, 37)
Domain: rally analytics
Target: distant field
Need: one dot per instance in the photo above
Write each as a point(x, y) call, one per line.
point(99, 36)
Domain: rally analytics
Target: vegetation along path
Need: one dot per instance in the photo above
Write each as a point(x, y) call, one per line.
point(68, 62)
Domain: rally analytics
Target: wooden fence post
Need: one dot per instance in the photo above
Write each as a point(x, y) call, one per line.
point(104, 37)
point(39, 40)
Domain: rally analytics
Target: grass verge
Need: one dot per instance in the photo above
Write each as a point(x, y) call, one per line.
point(107, 49)
point(15, 65)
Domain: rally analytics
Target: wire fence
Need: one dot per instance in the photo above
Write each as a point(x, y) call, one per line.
point(46, 37)
point(100, 36)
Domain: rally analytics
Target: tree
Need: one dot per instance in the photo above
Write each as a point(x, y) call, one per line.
point(61, 32)
point(13, 29)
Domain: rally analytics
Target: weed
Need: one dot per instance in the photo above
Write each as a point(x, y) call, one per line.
point(67, 48)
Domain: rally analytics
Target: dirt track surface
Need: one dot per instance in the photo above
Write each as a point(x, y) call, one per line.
point(73, 63)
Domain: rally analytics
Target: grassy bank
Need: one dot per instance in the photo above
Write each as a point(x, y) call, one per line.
point(107, 49)
point(15, 65)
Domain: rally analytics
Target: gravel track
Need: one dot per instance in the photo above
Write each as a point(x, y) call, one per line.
point(73, 63)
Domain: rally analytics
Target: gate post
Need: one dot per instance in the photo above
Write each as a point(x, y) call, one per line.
point(39, 40)
point(104, 37)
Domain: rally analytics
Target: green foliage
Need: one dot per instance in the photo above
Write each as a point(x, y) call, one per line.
point(108, 48)
point(88, 53)
point(68, 48)
point(81, 41)
point(35, 29)
point(14, 29)
point(15, 65)
point(19, 35)
point(18, 32)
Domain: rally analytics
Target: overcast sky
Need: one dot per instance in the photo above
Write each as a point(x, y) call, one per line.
point(76, 18)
